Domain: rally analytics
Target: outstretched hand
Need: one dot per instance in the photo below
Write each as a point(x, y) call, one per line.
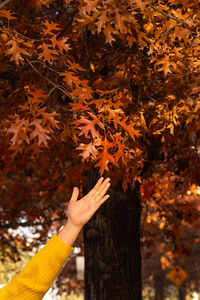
point(80, 211)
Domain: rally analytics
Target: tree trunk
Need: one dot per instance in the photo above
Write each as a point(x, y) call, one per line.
point(181, 293)
point(159, 287)
point(112, 247)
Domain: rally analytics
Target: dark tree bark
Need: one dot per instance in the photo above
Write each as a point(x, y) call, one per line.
point(159, 281)
point(112, 247)
point(181, 293)
point(159, 287)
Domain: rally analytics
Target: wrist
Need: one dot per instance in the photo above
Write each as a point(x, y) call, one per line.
point(73, 226)
point(69, 233)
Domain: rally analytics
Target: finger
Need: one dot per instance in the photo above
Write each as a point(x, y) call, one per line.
point(75, 194)
point(100, 202)
point(99, 182)
point(103, 189)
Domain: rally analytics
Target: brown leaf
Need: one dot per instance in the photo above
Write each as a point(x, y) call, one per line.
point(48, 54)
point(40, 132)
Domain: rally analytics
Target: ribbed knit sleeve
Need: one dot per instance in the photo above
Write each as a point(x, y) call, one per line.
point(39, 273)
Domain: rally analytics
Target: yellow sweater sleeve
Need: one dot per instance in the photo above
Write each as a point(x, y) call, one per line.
point(39, 273)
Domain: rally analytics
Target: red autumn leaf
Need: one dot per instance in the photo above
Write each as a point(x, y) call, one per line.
point(89, 126)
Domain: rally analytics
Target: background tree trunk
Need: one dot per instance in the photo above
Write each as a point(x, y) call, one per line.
point(112, 247)
point(181, 293)
point(159, 287)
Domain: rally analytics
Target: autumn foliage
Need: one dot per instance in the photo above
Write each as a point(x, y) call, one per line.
point(109, 84)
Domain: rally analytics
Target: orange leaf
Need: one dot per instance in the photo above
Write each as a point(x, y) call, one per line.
point(120, 151)
point(105, 157)
point(128, 127)
point(91, 6)
point(166, 65)
point(47, 53)
point(51, 27)
point(48, 118)
point(15, 51)
point(7, 14)
point(71, 78)
point(37, 96)
point(60, 44)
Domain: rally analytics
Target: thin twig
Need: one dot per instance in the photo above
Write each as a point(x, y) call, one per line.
point(4, 3)
point(51, 91)
point(59, 87)
point(165, 14)
point(170, 29)
point(40, 62)
point(25, 37)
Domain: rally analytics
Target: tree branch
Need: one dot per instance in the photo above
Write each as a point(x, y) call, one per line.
point(165, 14)
point(170, 29)
point(59, 87)
point(179, 22)
point(4, 3)
point(40, 62)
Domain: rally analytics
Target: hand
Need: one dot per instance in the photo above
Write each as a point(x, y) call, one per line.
point(80, 211)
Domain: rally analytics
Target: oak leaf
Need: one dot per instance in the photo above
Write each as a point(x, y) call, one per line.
point(7, 14)
point(15, 51)
point(128, 127)
point(48, 54)
point(89, 125)
point(119, 154)
point(19, 129)
point(89, 150)
point(61, 44)
point(105, 157)
point(166, 65)
point(37, 96)
point(49, 118)
point(50, 27)
point(40, 132)
point(91, 6)
point(75, 106)
point(71, 78)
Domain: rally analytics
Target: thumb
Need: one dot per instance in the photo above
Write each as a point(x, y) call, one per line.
point(75, 194)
